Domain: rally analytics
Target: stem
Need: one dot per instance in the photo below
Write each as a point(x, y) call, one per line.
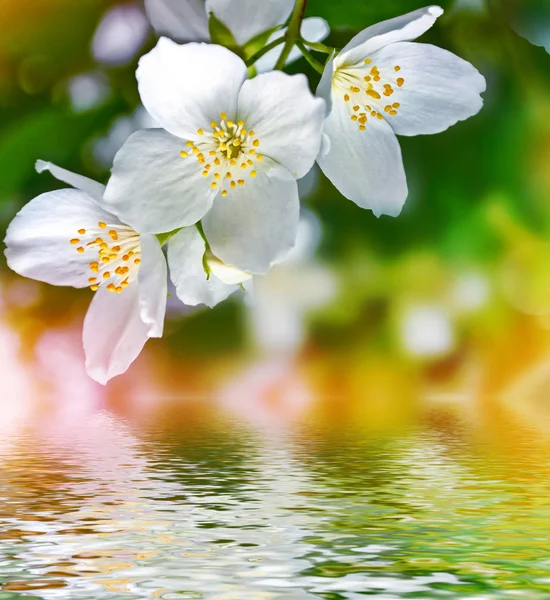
point(318, 47)
point(255, 57)
point(293, 33)
point(314, 63)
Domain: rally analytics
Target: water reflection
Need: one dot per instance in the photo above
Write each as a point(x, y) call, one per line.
point(198, 504)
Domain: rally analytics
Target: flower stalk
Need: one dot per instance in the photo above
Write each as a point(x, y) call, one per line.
point(256, 56)
point(312, 61)
point(293, 34)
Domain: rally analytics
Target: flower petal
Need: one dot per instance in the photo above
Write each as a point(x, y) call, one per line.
point(314, 29)
point(89, 186)
point(401, 29)
point(185, 88)
point(153, 285)
point(439, 90)
point(286, 118)
point(225, 272)
point(181, 20)
point(113, 334)
point(39, 238)
point(248, 18)
point(365, 166)
point(186, 251)
point(255, 225)
point(324, 89)
point(153, 188)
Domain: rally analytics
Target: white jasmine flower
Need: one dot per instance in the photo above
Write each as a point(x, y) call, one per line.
point(187, 21)
point(67, 238)
point(189, 260)
point(230, 153)
point(382, 85)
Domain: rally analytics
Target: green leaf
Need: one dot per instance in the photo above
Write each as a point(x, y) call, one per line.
point(220, 34)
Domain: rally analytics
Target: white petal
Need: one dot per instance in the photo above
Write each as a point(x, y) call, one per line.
point(286, 118)
point(255, 225)
point(185, 255)
point(248, 18)
point(324, 89)
point(185, 88)
point(152, 188)
point(153, 285)
point(181, 20)
point(401, 29)
point(114, 333)
point(225, 272)
point(439, 90)
point(38, 238)
point(89, 186)
point(365, 166)
point(314, 29)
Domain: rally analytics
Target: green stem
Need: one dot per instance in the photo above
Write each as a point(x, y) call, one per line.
point(318, 47)
point(255, 57)
point(314, 63)
point(293, 34)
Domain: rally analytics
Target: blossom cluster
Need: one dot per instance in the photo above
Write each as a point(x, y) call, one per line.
point(211, 195)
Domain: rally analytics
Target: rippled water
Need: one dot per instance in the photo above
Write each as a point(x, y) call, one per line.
point(206, 507)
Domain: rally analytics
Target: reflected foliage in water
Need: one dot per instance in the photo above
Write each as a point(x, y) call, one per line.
point(201, 506)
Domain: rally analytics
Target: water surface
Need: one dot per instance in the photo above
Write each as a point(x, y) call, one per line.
point(203, 505)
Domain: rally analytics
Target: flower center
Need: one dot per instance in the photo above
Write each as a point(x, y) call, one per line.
point(227, 153)
point(366, 91)
point(116, 254)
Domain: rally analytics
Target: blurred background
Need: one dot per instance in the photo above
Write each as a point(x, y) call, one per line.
point(436, 323)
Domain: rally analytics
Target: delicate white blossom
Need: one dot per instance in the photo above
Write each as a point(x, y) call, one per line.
point(66, 237)
point(229, 153)
point(187, 21)
point(198, 276)
point(382, 85)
